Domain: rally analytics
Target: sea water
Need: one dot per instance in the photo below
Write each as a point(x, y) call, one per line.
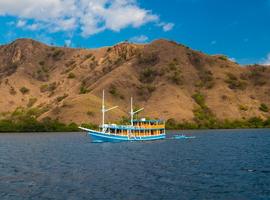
point(216, 164)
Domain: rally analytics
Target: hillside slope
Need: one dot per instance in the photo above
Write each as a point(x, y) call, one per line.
point(168, 79)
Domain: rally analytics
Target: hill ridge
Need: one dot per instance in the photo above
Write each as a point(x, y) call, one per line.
point(169, 79)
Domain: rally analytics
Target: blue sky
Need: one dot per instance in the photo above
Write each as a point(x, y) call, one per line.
point(239, 29)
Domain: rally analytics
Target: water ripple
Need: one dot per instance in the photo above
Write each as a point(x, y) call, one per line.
point(216, 165)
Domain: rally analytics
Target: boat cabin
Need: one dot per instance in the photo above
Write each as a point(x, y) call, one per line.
point(140, 128)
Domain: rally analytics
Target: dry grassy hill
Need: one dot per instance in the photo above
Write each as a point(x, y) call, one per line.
point(168, 79)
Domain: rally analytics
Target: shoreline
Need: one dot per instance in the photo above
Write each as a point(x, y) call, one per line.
point(31, 124)
point(170, 130)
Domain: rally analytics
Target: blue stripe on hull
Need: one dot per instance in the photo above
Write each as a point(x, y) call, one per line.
point(98, 136)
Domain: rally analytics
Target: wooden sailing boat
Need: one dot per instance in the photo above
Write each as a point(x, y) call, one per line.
point(138, 130)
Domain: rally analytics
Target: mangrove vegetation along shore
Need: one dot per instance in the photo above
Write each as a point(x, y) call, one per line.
point(46, 125)
point(31, 124)
point(254, 122)
point(26, 120)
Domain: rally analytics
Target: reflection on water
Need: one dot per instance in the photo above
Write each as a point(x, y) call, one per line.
point(215, 165)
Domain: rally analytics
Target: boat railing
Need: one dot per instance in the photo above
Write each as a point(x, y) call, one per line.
point(150, 126)
point(127, 127)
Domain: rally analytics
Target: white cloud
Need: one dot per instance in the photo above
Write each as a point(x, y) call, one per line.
point(168, 27)
point(90, 16)
point(139, 39)
point(266, 61)
point(68, 43)
point(21, 23)
point(33, 27)
point(232, 59)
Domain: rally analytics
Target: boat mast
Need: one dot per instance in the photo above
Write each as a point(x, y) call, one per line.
point(104, 110)
point(132, 113)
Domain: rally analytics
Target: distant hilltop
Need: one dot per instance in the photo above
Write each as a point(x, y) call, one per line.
point(170, 80)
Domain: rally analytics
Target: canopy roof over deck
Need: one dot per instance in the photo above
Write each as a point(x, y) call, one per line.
point(148, 120)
